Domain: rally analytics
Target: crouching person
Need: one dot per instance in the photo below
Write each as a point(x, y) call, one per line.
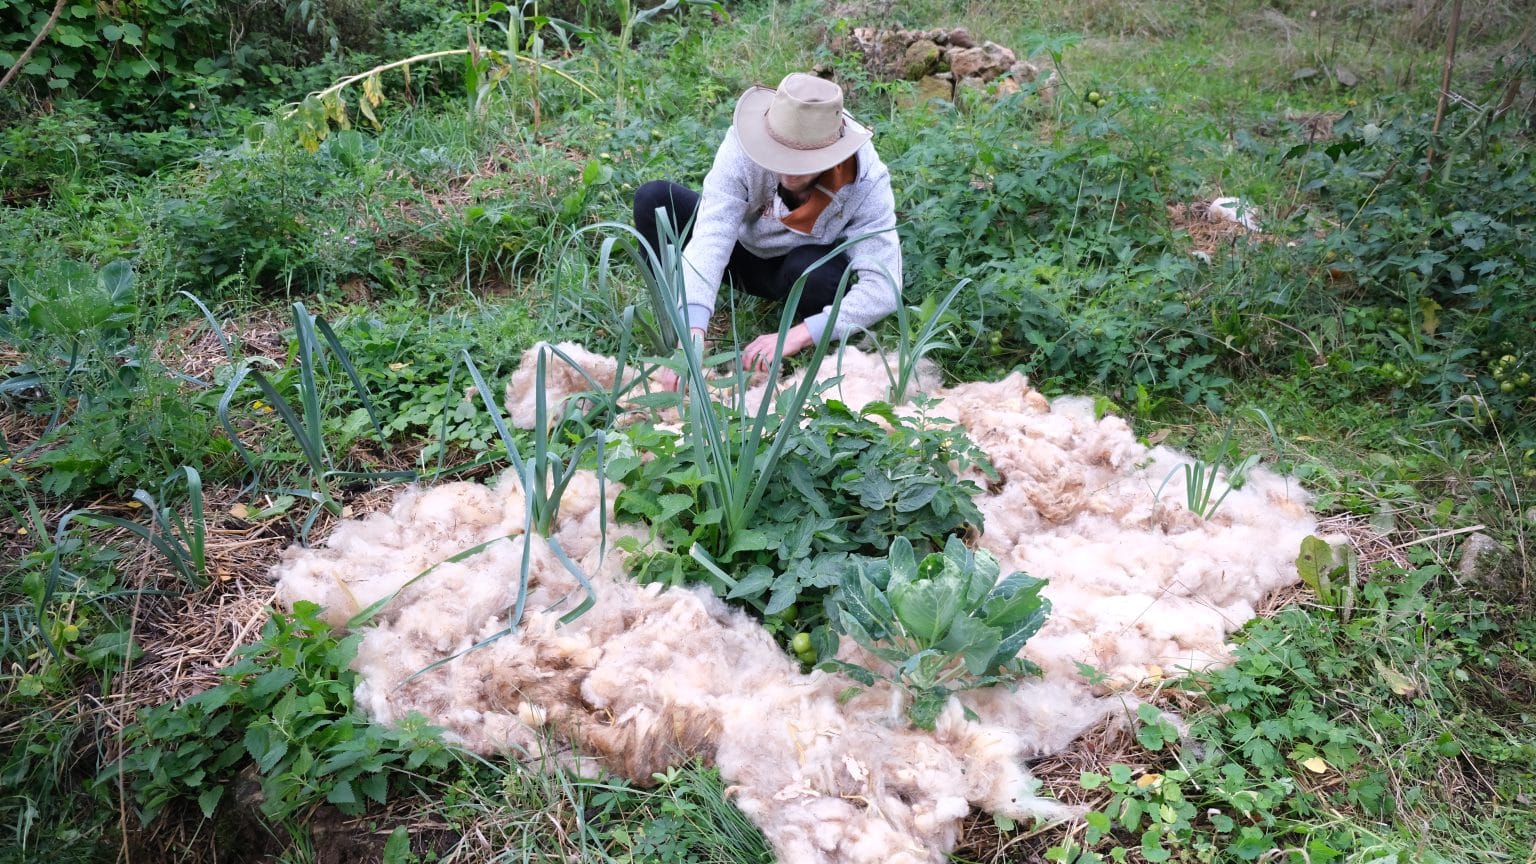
point(794, 179)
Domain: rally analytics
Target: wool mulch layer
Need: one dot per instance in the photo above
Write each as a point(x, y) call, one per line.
point(649, 678)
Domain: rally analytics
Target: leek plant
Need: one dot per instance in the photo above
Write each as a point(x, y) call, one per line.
point(1200, 476)
point(308, 428)
point(930, 320)
point(544, 476)
point(734, 445)
point(180, 540)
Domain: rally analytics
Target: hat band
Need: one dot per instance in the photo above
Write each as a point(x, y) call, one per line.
point(801, 145)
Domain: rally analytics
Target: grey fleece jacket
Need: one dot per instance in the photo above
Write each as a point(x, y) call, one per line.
point(738, 205)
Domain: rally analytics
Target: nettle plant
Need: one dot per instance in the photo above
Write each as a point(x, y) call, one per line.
point(943, 624)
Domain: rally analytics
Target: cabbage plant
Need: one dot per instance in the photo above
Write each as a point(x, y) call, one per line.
point(942, 624)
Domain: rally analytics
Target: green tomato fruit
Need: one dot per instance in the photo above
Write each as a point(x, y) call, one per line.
point(1507, 387)
point(801, 643)
point(1094, 97)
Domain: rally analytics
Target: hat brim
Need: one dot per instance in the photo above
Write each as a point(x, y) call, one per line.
point(751, 123)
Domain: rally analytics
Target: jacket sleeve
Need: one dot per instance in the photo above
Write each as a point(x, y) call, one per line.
point(875, 260)
point(717, 224)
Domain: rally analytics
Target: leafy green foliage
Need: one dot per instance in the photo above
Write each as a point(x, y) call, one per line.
point(687, 816)
point(116, 416)
point(286, 709)
point(165, 61)
point(73, 309)
point(414, 374)
point(277, 217)
point(944, 623)
point(847, 484)
point(1386, 333)
point(1379, 713)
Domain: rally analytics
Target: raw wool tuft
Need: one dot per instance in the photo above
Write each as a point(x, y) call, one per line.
point(863, 377)
point(1137, 579)
point(562, 380)
point(856, 378)
point(650, 678)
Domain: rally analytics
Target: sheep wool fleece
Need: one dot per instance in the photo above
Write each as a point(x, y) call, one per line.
point(650, 678)
point(737, 206)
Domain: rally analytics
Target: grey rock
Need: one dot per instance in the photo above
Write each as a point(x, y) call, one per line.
point(1023, 71)
point(1485, 561)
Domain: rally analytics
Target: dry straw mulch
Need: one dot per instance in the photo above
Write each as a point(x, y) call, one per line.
point(194, 350)
point(187, 638)
point(1210, 235)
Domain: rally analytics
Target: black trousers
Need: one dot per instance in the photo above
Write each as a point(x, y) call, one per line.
point(770, 278)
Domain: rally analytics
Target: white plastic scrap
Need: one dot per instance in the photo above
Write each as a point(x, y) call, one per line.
point(1233, 210)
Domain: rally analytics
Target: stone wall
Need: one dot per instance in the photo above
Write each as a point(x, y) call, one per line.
point(943, 60)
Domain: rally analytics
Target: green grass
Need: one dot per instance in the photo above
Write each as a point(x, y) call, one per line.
point(440, 234)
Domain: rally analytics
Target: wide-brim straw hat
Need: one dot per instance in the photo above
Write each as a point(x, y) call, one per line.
point(800, 128)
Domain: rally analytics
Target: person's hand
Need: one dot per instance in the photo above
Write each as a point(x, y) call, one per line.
point(758, 355)
point(669, 380)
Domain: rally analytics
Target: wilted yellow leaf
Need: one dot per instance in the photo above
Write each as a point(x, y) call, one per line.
point(239, 511)
point(398, 366)
point(373, 94)
point(1147, 780)
point(1399, 682)
point(1316, 765)
point(1429, 315)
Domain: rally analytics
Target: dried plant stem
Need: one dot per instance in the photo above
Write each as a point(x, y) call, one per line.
point(1512, 88)
point(1445, 82)
point(58, 9)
